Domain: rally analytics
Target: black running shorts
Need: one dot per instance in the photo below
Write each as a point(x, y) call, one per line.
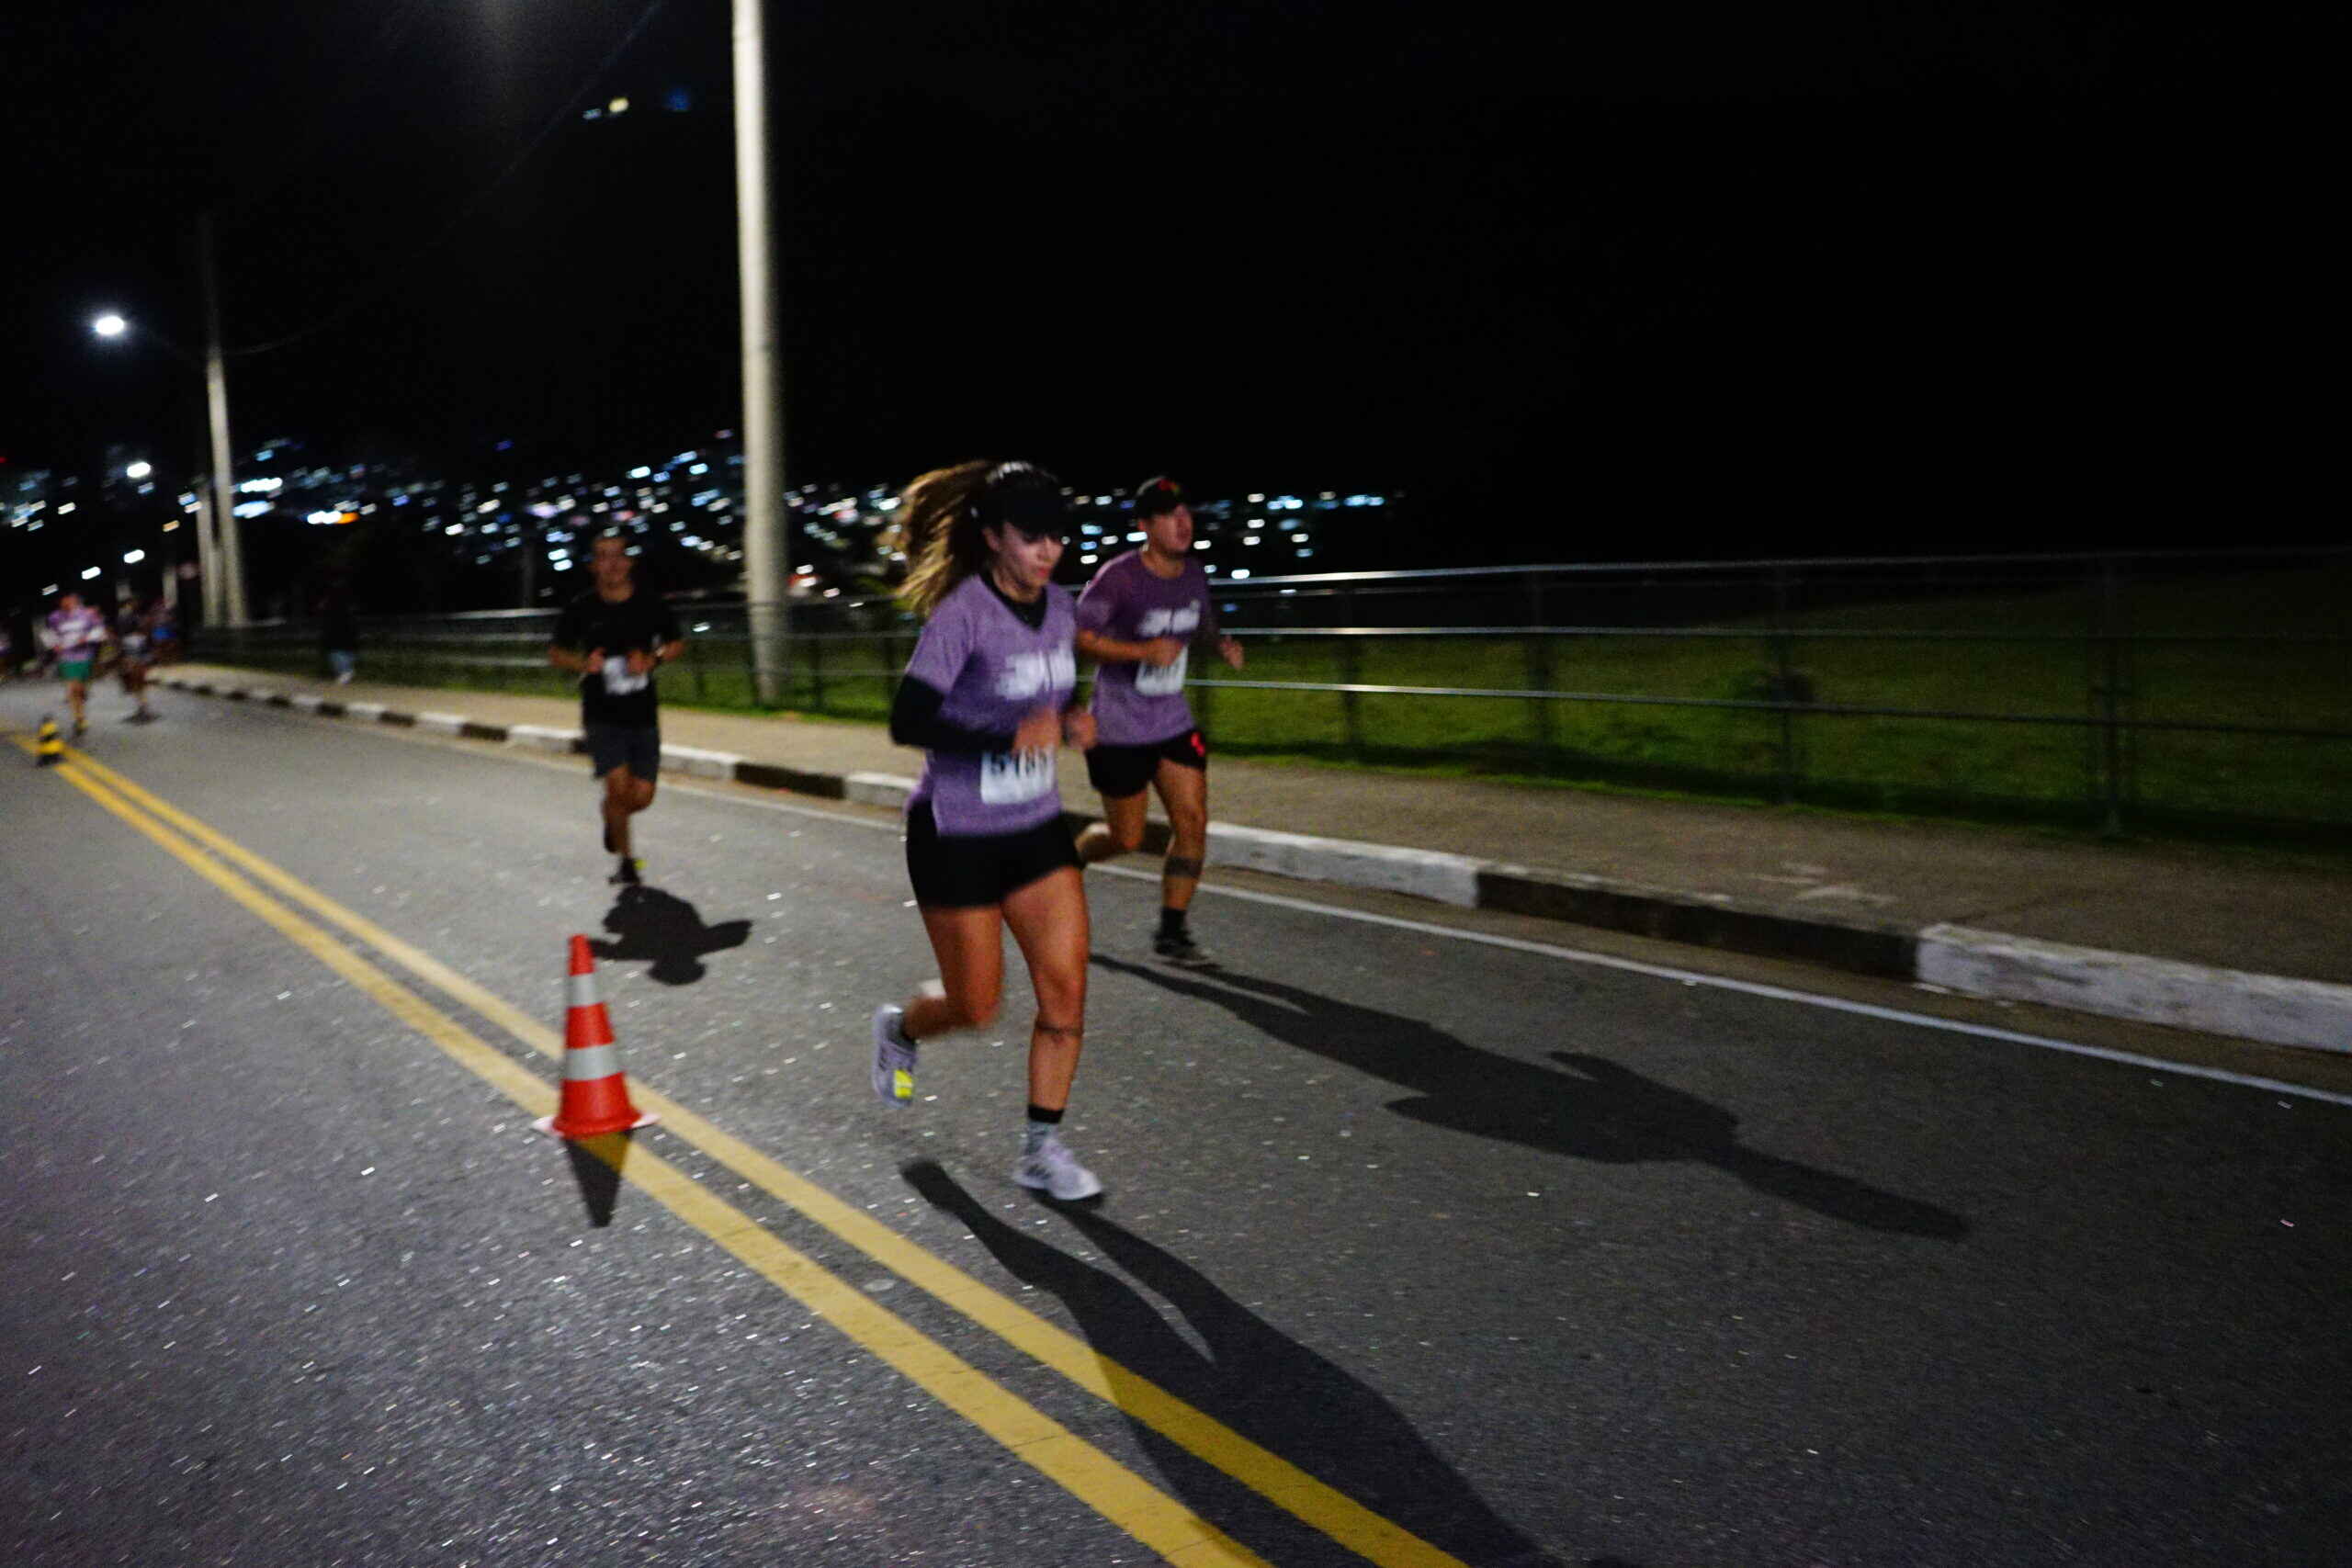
point(614, 746)
point(1117, 771)
point(973, 874)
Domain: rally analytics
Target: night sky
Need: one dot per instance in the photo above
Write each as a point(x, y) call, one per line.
point(1897, 276)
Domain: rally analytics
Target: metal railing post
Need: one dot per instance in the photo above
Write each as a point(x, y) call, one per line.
point(1784, 683)
point(816, 672)
point(1539, 674)
point(2110, 692)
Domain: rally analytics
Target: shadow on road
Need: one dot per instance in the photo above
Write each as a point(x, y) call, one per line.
point(597, 1165)
point(665, 928)
point(1596, 1110)
point(1257, 1381)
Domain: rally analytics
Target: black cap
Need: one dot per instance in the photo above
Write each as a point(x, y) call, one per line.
point(1023, 496)
point(1158, 495)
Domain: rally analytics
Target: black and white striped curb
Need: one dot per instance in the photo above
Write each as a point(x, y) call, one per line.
point(2269, 1008)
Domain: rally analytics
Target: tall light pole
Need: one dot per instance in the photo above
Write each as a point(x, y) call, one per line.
point(216, 401)
point(219, 551)
point(767, 551)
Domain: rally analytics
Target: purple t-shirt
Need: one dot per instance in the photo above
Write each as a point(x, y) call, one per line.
point(994, 672)
point(76, 634)
point(1134, 704)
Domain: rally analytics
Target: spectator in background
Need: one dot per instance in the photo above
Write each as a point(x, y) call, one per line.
point(134, 638)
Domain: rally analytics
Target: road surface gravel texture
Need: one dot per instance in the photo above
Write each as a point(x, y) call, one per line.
point(1526, 1258)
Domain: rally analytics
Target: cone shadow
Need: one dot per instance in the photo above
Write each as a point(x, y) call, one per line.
point(597, 1165)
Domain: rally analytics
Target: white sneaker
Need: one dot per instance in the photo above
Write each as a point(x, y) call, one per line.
point(894, 1057)
point(1053, 1170)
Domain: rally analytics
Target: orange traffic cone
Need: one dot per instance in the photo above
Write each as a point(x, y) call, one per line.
point(595, 1094)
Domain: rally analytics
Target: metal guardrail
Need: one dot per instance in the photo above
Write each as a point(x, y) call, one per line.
point(863, 644)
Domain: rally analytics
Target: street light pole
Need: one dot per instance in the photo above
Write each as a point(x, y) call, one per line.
point(228, 602)
point(767, 552)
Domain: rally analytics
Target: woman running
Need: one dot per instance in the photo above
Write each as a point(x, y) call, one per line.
point(1137, 620)
point(987, 697)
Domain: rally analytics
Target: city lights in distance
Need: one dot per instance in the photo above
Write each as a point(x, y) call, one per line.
point(89, 573)
point(109, 325)
point(138, 471)
point(132, 558)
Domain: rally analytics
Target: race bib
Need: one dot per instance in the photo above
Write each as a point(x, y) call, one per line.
point(1162, 680)
point(618, 682)
point(1010, 778)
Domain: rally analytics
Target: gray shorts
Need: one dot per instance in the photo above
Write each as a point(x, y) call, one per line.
point(614, 746)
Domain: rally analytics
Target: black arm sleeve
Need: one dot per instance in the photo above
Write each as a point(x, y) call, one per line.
point(915, 721)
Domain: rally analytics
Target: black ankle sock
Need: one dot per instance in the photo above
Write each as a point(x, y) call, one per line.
point(1050, 1118)
point(1172, 922)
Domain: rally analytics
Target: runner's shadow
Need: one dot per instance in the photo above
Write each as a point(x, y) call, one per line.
point(668, 931)
point(1254, 1379)
point(1597, 1111)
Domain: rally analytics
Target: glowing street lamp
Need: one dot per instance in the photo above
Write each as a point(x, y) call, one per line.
point(217, 547)
point(139, 471)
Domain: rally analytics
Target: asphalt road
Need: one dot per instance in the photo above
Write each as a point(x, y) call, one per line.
point(1418, 1248)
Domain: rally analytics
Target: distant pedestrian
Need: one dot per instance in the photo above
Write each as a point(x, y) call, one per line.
point(987, 695)
point(615, 636)
point(339, 632)
point(76, 634)
point(1138, 620)
point(164, 633)
point(134, 643)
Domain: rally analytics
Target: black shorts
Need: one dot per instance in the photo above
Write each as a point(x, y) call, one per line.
point(1117, 771)
point(973, 874)
point(615, 745)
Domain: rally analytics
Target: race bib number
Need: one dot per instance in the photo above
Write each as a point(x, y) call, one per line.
point(1162, 680)
point(1010, 778)
point(618, 682)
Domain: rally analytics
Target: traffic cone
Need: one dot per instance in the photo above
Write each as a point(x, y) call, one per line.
point(595, 1096)
point(48, 745)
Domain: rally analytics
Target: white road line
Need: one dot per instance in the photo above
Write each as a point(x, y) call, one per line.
point(1573, 956)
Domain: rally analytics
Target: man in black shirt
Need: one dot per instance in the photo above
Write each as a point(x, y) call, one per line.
point(615, 638)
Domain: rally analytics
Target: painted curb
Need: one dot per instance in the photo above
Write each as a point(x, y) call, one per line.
point(442, 723)
point(1702, 919)
point(545, 738)
point(2271, 1008)
point(878, 789)
point(1423, 874)
point(700, 763)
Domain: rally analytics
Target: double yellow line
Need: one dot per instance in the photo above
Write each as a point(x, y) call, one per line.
point(1159, 1521)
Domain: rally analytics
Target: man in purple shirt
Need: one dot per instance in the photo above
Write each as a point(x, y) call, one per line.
point(1138, 620)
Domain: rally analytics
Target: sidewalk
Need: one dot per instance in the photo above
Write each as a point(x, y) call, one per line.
point(2223, 942)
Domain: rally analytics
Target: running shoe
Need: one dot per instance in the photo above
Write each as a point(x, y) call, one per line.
point(1180, 949)
point(630, 872)
point(894, 1057)
point(1054, 1171)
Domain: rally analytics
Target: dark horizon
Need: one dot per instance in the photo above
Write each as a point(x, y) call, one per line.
point(1829, 283)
